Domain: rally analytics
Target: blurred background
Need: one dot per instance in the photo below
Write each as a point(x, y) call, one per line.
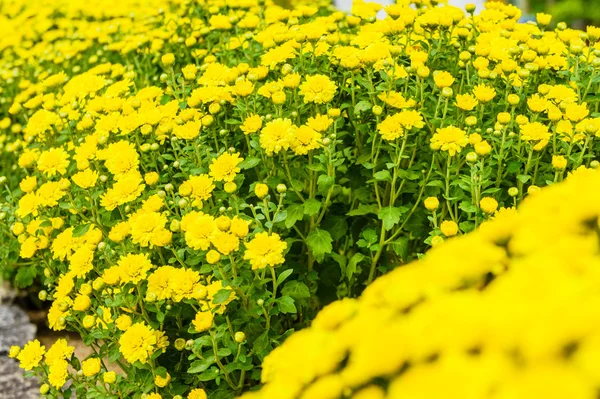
point(577, 13)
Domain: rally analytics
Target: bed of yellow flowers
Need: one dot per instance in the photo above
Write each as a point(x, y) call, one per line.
point(187, 183)
point(516, 319)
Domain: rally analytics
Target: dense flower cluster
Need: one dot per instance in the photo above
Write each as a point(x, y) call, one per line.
point(188, 182)
point(517, 318)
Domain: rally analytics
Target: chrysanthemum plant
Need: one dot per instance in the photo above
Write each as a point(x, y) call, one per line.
point(191, 182)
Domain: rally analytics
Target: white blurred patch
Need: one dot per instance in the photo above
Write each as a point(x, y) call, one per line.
point(346, 5)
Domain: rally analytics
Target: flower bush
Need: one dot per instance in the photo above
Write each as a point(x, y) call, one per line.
point(188, 183)
point(517, 318)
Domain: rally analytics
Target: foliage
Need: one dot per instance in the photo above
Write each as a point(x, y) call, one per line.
point(193, 181)
point(516, 318)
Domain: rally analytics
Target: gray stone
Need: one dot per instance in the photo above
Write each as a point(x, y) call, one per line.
point(18, 334)
point(15, 329)
point(12, 314)
point(12, 383)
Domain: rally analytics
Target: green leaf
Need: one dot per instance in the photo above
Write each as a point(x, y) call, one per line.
point(296, 289)
point(249, 163)
point(64, 205)
point(390, 216)
point(221, 296)
point(199, 366)
point(363, 82)
point(383, 175)
point(513, 166)
point(223, 352)
point(523, 178)
point(281, 216)
point(319, 242)
point(316, 167)
point(467, 207)
point(341, 260)
point(324, 183)
point(354, 261)
point(285, 274)
point(208, 375)
point(491, 190)
point(261, 343)
point(408, 175)
point(467, 226)
point(312, 207)
point(81, 230)
point(436, 183)
point(400, 247)
point(370, 235)
point(294, 213)
point(363, 210)
point(362, 106)
point(25, 276)
point(337, 226)
point(161, 371)
point(286, 305)
point(114, 354)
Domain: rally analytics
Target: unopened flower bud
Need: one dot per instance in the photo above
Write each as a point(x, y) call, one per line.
point(239, 337)
point(179, 344)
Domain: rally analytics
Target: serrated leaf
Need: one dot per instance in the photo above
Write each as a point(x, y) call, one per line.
point(400, 247)
point(324, 183)
point(354, 261)
point(261, 343)
point(340, 259)
point(319, 242)
point(370, 235)
point(286, 305)
point(296, 289)
point(467, 226)
point(312, 207)
point(294, 213)
point(25, 276)
point(390, 216)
